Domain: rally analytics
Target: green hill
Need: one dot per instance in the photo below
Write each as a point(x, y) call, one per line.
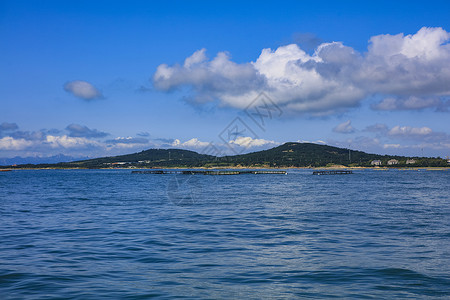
point(306, 154)
point(151, 157)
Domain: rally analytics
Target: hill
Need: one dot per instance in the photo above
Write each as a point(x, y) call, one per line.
point(286, 155)
point(308, 154)
point(147, 158)
point(315, 155)
point(151, 157)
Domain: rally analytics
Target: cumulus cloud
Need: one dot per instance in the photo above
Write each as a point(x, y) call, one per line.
point(248, 142)
point(193, 143)
point(44, 142)
point(76, 130)
point(83, 90)
point(239, 145)
point(410, 71)
point(10, 143)
point(407, 131)
point(217, 78)
point(65, 141)
point(345, 127)
point(29, 135)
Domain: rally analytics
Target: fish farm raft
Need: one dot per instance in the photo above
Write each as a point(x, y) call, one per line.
point(209, 172)
point(340, 172)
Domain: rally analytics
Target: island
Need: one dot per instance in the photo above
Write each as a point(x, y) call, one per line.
point(288, 155)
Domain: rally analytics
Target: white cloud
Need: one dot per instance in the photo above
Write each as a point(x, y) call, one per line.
point(345, 127)
point(409, 70)
point(46, 143)
point(217, 78)
point(65, 141)
point(408, 66)
point(425, 44)
point(193, 143)
point(407, 131)
point(242, 144)
point(249, 142)
point(196, 58)
point(10, 143)
point(83, 90)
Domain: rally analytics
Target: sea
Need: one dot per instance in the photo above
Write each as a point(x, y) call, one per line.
point(111, 234)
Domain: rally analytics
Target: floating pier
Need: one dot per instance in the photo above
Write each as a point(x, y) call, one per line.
point(334, 172)
point(209, 172)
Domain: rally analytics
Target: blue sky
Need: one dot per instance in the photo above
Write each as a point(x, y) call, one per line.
point(94, 78)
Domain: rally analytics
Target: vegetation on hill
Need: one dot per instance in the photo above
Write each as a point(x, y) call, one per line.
point(151, 157)
point(286, 155)
point(315, 155)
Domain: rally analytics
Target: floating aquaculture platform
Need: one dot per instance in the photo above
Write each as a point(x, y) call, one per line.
point(335, 172)
point(209, 172)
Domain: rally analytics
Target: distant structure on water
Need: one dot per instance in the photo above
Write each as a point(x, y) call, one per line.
point(333, 172)
point(209, 172)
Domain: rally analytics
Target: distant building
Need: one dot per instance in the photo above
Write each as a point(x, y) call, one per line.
point(392, 162)
point(410, 161)
point(376, 162)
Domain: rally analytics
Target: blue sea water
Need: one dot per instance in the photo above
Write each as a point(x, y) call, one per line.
point(110, 234)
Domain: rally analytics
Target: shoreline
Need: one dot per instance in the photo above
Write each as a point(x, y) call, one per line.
point(251, 168)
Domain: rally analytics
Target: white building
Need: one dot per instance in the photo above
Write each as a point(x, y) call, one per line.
point(376, 162)
point(392, 162)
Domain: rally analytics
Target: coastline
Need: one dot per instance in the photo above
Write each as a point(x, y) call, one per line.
point(250, 168)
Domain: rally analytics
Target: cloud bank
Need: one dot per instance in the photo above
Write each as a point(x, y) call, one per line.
point(399, 140)
point(409, 71)
point(81, 141)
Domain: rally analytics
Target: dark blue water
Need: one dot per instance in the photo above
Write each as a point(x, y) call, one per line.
point(100, 234)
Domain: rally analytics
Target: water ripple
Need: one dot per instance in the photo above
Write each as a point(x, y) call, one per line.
point(109, 235)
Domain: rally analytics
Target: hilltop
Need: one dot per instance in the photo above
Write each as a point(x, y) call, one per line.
point(286, 155)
